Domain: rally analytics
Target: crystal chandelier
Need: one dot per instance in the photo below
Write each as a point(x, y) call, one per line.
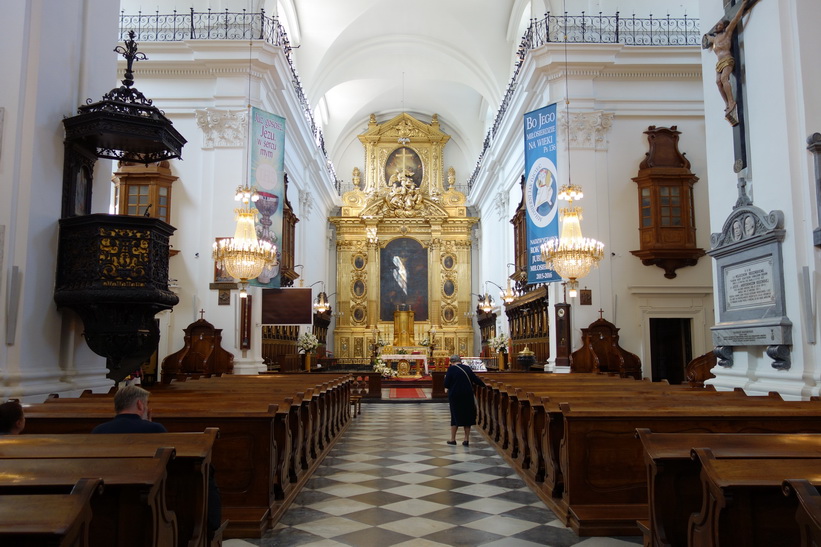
point(244, 256)
point(571, 255)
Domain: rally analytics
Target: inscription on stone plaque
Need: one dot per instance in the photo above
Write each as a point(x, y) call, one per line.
point(749, 285)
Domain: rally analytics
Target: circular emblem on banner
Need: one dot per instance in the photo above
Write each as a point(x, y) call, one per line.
point(266, 176)
point(541, 191)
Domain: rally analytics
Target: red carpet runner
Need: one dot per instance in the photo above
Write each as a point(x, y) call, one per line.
point(407, 393)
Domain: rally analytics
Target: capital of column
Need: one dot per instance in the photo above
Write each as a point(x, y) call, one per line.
point(587, 129)
point(222, 128)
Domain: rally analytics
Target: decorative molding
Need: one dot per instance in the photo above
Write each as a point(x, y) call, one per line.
point(222, 128)
point(501, 202)
point(306, 204)
point(588, 130)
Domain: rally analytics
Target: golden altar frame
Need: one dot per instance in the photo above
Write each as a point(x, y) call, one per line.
point(404, 202)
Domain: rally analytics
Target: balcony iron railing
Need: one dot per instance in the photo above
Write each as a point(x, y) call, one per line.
point(587, 29)
point(591, 29)
point(225, 25)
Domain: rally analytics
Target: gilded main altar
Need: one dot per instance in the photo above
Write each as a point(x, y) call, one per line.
point(403, 244)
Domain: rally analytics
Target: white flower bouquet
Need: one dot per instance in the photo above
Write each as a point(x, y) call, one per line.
point(381, 368)
point(307, 342)
point(499, 343)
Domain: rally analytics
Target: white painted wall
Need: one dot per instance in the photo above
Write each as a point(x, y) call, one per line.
point(58, 63)
point(782, 79)
point(604, 78)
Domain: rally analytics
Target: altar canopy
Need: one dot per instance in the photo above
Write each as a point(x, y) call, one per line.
point(403, 243)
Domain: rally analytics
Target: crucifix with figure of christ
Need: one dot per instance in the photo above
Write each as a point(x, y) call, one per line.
point(724, 40)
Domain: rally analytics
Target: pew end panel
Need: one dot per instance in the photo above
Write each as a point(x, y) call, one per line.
point(58, 519)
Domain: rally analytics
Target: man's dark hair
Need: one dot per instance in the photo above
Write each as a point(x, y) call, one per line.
point(10, 414)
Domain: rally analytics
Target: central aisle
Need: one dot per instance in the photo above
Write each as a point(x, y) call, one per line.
point(392, 480)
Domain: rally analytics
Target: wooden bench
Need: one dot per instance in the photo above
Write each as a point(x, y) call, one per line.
point(260, 468)
point(59, 520)
point(808, 514)
point(592, 475)
point(602, 461)
point(187, 482)
point(132, 508)
point(674, 487)
point(743, 501)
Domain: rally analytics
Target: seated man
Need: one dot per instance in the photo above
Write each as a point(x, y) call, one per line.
point(133, 416)
point(12, 420)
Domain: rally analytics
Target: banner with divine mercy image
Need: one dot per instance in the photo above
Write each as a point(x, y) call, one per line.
point(541, 189)
point(266, 172)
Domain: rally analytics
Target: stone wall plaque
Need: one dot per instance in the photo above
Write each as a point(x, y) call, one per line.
point(749, 284)
point(749, 261)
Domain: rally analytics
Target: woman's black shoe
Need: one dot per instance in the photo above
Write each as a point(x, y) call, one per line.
point(465, 443)
point(451, 442)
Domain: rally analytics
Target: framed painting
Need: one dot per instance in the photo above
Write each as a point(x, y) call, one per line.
point(406, 160)
point(403, 279)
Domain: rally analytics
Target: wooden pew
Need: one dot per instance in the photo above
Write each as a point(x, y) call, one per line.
point(605, 478)
point(743, 502)
point(187, 482)
point(674, 487)
point(522, 427)
point(58, 520)
point(603, 456)
point(808, 514)
point(132, 508)
point(255, 449)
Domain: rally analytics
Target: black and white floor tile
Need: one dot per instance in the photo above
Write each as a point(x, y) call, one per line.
point(391, 480)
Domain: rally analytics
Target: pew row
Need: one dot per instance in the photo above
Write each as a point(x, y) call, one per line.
point(590, 470)
point(130, 511)
point(187, 481)
point(274, 432)
point(743, 502)
point(58, 520)
point(673, 476)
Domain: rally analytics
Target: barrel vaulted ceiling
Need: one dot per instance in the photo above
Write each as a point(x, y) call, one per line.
point(453, 58)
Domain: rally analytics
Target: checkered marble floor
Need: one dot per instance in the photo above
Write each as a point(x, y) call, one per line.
point(391, 480)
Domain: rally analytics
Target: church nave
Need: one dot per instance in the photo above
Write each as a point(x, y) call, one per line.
point(392, 480)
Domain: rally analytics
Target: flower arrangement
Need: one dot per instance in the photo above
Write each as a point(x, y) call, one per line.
point(499, 343)
point(307, 342)
point(381, 368)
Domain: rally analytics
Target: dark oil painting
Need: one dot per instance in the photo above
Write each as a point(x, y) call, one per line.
point(403, 279)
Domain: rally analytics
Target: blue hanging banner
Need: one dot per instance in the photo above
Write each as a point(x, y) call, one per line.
point(267, 168)
point(541, 189)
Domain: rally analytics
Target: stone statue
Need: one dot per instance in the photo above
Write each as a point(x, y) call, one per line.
point(720, 40)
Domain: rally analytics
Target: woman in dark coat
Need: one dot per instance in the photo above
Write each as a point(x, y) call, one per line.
point(459, 382)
